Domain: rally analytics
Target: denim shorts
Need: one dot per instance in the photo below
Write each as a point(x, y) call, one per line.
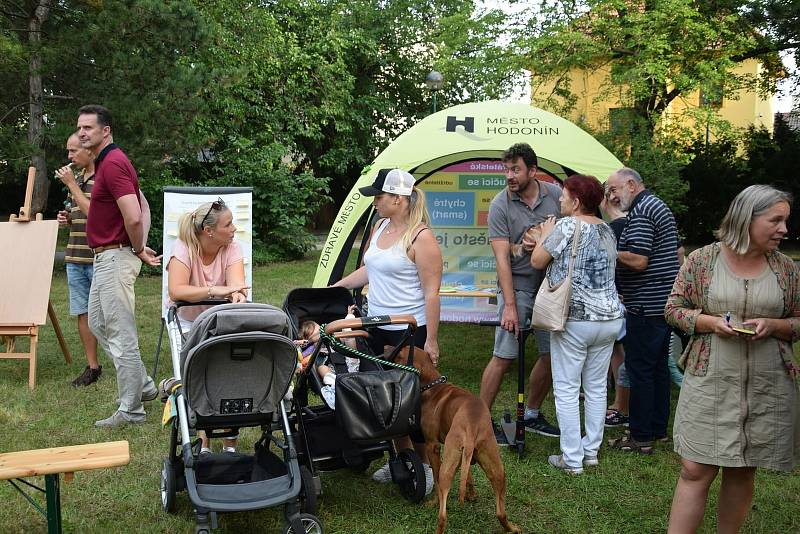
point(623, 379)
point(505, 342)
point(79, 281)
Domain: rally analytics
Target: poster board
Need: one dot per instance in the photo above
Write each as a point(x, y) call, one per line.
point(179, 200)
point(26, 273)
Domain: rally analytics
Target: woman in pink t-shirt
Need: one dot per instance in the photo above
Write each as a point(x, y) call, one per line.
point(206, 263)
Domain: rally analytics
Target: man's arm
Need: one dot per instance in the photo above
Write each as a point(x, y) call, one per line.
point(134, 220)
point(137, 224)
point(634, 262)
point(68, 179)
point(502, 254)
point(145, 207)
point(637, 236)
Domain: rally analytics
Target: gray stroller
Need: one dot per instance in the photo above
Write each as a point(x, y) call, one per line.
point(232, 371)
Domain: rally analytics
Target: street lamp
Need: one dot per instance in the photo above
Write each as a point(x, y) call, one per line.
point(434, 81)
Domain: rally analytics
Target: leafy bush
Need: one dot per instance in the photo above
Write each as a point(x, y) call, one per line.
point(284, 197)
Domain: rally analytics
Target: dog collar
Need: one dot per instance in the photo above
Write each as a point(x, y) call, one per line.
point(441, 380)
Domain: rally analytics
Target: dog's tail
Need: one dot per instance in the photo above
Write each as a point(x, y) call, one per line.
point(466, 462)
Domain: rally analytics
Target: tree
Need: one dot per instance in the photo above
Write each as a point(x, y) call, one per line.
point(289, 96)
point(130, 55)
point(774, 160)
point(715, 176)
point(778, 22)
point(659, 50)
point(307, 93)
point(377, 54)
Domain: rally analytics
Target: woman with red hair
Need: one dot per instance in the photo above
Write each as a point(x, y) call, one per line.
point(581, 353)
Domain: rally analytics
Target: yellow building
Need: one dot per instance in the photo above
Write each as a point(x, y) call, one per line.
point(600, 105)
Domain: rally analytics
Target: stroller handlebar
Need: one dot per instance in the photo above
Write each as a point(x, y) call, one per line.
point(370, 321)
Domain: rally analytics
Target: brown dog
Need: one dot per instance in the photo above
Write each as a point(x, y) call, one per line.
point(461, 421)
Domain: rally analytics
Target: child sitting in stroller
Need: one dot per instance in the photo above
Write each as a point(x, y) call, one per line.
point(309, 334)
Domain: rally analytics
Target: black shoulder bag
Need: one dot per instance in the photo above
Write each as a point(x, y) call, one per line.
point(377, 405)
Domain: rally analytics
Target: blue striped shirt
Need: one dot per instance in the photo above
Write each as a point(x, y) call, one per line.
point(650, 231)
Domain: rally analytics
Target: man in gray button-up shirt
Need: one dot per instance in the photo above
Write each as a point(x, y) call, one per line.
point(525, 202)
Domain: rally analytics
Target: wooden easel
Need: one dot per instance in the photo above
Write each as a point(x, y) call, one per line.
point(25, 276)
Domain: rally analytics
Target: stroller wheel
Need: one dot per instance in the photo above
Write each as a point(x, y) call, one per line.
point(311, 525)
point(168, 486)
point(413, 486)
point(308, 491)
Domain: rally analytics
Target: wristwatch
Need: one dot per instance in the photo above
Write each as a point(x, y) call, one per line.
point(137, 252)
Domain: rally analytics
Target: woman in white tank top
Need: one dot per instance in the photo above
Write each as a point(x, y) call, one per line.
point(403, 262)
point(403, 266)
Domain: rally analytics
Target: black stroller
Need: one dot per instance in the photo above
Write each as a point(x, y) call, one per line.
point(233, 370)
point(374, 405)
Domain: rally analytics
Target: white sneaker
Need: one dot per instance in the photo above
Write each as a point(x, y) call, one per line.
point(383, 474)
point(428, 479)
point(590, 461)
point(557, 461)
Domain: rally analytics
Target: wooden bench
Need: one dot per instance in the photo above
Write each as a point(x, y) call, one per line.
point(14, 466)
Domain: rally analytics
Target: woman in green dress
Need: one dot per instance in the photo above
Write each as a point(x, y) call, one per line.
point(739, 408)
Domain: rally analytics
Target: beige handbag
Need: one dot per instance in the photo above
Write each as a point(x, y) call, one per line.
point(551, 307)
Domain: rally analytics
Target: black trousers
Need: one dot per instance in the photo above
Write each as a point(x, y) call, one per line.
point(379, 337)
point(646, 352)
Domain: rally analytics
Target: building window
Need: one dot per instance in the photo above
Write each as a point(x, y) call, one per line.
point(711, 98)
point(622, 121)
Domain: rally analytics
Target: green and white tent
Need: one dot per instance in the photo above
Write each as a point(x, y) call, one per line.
point(454, 156)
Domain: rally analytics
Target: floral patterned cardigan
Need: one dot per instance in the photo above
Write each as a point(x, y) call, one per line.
point(690, 293)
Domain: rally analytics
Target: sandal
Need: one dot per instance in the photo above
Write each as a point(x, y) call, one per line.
point(628, 444)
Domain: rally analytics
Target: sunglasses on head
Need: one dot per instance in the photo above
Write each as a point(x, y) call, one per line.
point(215, 206)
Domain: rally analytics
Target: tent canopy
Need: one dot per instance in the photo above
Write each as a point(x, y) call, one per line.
point(475, 131)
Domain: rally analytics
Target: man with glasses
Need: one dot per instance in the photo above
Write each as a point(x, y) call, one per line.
point(647, 265)
point(116, 230)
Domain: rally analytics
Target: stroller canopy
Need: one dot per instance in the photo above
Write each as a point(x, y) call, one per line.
point(237, 360)
point(320, 304)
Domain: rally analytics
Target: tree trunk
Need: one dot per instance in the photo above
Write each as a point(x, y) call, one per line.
point(36, 98)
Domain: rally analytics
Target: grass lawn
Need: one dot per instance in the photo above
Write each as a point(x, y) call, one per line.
point(626, 493)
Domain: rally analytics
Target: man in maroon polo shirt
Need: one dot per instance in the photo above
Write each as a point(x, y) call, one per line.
point(116, 230)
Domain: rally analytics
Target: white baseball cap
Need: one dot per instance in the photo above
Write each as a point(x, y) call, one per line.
point(395, 181)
